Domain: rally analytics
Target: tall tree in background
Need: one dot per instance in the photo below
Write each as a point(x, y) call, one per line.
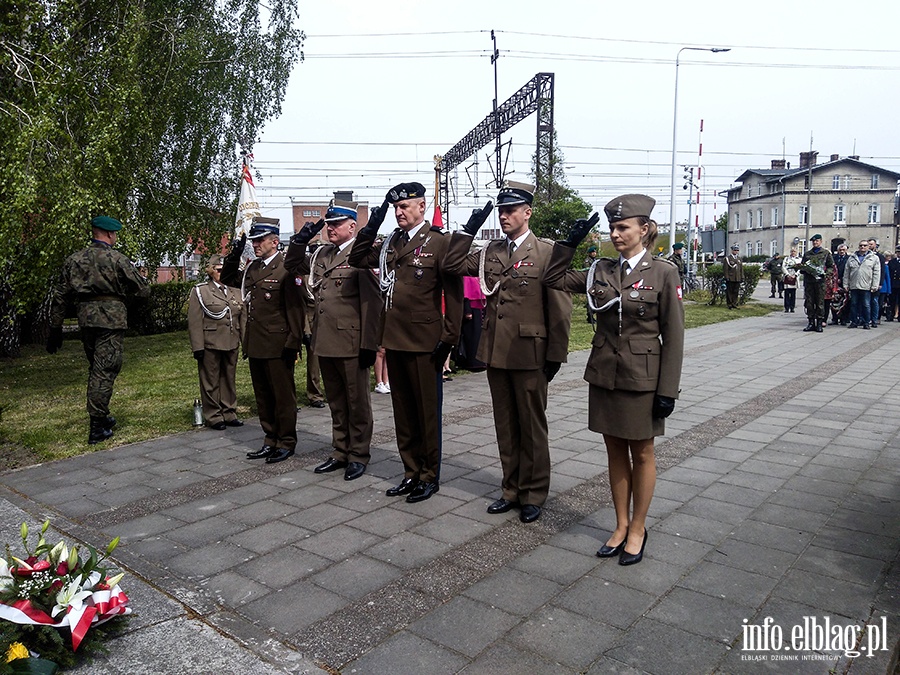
point(134, 109)
point(556, 206)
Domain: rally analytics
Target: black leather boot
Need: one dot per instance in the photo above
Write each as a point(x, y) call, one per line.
point(99, 431)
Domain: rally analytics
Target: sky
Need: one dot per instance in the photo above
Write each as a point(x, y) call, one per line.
point(386, 85)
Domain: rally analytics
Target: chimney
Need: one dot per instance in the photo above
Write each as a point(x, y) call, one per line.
point(856, 157)
point(834, 158)
point(778, 163)
point(344, 195)
point(808, 159)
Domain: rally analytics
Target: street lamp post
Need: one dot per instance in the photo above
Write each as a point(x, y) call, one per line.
point(714, 50)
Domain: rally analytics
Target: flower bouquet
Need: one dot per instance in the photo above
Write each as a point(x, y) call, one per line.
point(54, 592)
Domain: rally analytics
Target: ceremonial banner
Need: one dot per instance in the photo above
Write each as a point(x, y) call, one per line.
point(437, 220)
point(247, 208)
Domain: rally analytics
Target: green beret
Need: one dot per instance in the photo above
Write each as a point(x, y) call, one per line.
point(106, 223)
point(592, 249)
point(677, 246)
point(815, 236)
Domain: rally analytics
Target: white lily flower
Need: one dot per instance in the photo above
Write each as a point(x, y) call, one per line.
point(70, 596)
point(6, 580)
point(59, 554)
point(92, 581)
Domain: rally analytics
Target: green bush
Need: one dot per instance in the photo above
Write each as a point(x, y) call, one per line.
point(714, 280)
point(163, 312)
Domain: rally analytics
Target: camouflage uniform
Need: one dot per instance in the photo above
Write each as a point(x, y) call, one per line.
point(815, 266)
point(99, 278)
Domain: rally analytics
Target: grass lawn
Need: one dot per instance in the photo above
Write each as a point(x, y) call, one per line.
point(42, 397)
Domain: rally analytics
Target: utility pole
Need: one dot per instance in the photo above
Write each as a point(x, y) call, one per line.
point(809, 188)
point(495, 56)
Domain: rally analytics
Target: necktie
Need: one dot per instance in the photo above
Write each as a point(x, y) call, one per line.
point(404, 239)
point(625, 270)
point(511, 248)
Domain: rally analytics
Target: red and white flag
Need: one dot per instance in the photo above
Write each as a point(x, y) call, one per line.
point(437, 220)
point(247, 208)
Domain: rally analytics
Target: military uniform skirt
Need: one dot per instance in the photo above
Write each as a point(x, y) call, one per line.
point(625, 414)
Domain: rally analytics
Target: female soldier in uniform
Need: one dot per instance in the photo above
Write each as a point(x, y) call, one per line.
point(215, 327)
point(635, 365)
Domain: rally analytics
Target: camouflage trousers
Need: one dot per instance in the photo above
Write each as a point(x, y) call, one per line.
point(814, 300)
point(104, 348)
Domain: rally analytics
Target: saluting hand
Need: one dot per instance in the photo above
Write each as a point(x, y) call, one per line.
point(237, 247)
point(580, 230)
point(307, 232)
point(376, 218)
point(476, 220)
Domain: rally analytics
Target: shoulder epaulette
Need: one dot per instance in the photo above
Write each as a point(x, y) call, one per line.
point(435, 228)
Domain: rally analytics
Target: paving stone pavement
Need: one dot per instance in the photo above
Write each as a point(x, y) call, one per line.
point(776, 511)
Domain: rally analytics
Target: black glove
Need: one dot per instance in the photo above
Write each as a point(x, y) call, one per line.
point(376, 218)
point(663, 406)
point(307, 232)
point(289, 356)
point(198, 354)
point(237, 247)
point(54, 340)
point(307, 340)
point(439, 354)
point(580, 230)
point(476, 220)
point(367, 358)
point(551, 368)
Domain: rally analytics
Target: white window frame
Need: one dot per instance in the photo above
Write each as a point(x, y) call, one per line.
point(749, 248)
point(803, 215)
point(839, 214)
point(758, 247)
point(801, 247)
point(737, 221)
point(836, 182)
point(874, 182)
point(773, 247)
point(774, 216)
point(874, 215)
point(749, 219)
point(759, 218)
point(847, 181)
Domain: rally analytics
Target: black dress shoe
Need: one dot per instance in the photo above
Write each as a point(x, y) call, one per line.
point(317, 404)
point(809, 329)
point(607, 551)
point(354, 470)
point(422, 492)
point(406, 486)
point(626, 558)
point(501, 506)
point(279, 455)
point(218, 426)
point(330, 465)
point(234, 423)
point(262, 453)
point(530, 513)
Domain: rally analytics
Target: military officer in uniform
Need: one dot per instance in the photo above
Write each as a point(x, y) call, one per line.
point(215, 328)
point(416, 336)
point(347, 307)
point(272, 337)
point(634, 369)
point(98, 279)
point(677, 259)
point(734, 275)
point(524, 341)
point(815, 266)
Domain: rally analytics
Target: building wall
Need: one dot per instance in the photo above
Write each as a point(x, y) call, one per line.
point(854, 193)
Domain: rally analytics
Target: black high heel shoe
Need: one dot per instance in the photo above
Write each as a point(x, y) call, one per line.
point(611, 551)
point(626, 558)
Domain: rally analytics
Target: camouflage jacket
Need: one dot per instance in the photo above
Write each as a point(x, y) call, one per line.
point(99, 279)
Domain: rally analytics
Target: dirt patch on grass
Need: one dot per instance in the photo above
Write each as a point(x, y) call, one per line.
point(15, 456)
